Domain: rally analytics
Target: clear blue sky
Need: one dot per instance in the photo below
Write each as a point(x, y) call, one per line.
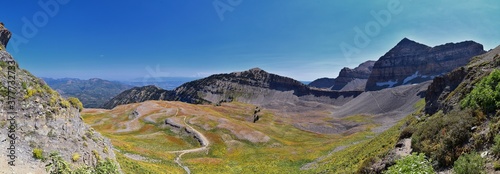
point(302, 39)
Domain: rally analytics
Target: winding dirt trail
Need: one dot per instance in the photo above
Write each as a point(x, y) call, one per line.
point(203, 140)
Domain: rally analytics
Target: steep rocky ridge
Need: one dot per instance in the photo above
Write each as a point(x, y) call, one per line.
point(348, 75)
point(348, 79)
point(43, 121)
point(411, 62)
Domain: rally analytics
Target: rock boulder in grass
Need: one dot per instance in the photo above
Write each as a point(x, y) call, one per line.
point(411, 62)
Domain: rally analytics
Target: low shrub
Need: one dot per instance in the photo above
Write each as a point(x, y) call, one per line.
point(485, 95)
point(496, 146)
point(76, 103)
point(38, 153)
point(75, 157)
point(415, 163)
point(65, 104)
point(496, 165)
point(106, 167)
point(57, 164)
point(442, 136)
point(471, 163)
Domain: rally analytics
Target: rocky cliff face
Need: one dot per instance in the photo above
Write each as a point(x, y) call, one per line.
point(411, 62)
point(446, 91)
point(4, 36)
point(254, 86)
point(354, 79)
point(41, 122)
point(348, 75)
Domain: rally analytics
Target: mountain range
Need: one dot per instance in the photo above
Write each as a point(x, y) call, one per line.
point(254, 86)
point(408, 113)
point(441, 102)
point(93, 93)
point(408, 62)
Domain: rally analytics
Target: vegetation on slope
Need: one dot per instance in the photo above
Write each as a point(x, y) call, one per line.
point(287, 150)
point(415, 163)
point(485, 95)
point(453, 138)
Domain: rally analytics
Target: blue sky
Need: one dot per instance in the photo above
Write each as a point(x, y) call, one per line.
point(120, 40)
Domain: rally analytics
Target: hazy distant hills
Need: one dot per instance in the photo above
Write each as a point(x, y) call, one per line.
point(93, 93)
point(168, 83)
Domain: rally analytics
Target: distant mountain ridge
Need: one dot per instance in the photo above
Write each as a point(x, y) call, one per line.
point(168, 83)
point(253, 86)
point(411, 62)
point(93, 93)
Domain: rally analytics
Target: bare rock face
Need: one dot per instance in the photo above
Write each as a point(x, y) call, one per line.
point(440, 88)
point(411, 62)
point(4, 36)
point(251, 86)
point(346, 76)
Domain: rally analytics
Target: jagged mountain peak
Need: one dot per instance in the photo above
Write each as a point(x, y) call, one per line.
point(408, 42)
point(364, 67)
point(256, 69)
point(407, 47)
point(5, 35)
